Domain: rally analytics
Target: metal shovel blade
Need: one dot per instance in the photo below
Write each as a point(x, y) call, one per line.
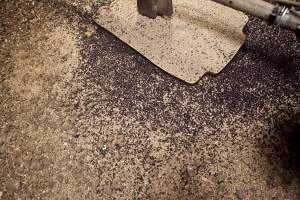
point(154, 8)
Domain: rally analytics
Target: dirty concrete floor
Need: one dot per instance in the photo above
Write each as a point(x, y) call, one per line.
point(83, 116)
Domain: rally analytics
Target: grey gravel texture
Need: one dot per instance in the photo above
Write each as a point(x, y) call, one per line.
point(83, 116)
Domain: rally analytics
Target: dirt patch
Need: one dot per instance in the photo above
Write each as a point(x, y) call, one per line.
point(36, 129)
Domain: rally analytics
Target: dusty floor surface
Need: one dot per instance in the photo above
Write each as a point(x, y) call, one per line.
point(83, 116)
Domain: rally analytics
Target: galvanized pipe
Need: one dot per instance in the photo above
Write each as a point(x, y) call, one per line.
point(280, 15)
point(258, 8)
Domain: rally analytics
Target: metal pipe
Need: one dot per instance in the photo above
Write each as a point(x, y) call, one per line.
point(258, 8)
point(278, 14)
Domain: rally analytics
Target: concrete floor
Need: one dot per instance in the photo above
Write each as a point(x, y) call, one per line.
point(83, 116)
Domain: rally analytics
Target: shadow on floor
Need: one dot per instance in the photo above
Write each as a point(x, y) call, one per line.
point(283, 151)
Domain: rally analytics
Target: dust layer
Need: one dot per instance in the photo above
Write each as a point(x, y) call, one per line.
point(83, 116)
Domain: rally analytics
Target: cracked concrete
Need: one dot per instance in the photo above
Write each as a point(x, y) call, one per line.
point(83, 116)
